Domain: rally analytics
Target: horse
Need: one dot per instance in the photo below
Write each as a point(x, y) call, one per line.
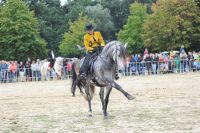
point(102, 74)
point(57, 66)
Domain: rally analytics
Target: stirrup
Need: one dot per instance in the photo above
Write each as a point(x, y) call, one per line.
point(83, 75)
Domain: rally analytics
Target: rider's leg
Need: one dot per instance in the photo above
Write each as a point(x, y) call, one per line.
point(85, 65)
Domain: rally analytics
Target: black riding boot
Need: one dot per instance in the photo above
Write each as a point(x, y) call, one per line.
point(85, 66)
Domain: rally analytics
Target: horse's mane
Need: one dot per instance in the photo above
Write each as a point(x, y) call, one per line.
point(123, 51)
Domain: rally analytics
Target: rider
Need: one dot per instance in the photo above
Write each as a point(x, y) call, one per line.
point(93, 42)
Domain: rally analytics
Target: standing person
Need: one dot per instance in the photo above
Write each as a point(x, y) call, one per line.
point(13, 71)
point(33, 70)
point(154, 63)
point(93, 42)
point(17, 73)
point(183, 57)
point(28, 71)
point(4, 69)
point(69, 68)
point(146, 52)
point(157, 62)
point(148, 63)
point(38, 69)
point(139, 65)
point(190, 61)
point(21, 71)
point(9, 73)
point(1, 66)
point(182, 49)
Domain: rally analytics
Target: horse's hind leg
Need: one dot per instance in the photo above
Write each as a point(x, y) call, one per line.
point(89, 98)
point(119, 88)
point(74, 84)
point(101, 94)
point(106, 100)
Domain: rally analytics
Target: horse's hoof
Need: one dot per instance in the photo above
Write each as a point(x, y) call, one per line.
point(73, 95)
point(105, 117)
point(130, 97)
point(90, 114)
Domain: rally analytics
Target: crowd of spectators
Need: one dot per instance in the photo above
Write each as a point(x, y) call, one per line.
point(12, 71)
point(163, 62)
point(138, 64)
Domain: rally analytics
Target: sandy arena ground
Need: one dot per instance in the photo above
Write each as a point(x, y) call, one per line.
point(164, 104)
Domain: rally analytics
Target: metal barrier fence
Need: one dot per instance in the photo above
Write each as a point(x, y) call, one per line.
point(132, 68)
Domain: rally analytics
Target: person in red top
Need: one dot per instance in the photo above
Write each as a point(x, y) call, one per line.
point(13, 70)
point(69, 68)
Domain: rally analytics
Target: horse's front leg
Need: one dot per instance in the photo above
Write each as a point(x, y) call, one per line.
point(106, 100)
point(119, 88)
point(89, 98)
point(101, 94)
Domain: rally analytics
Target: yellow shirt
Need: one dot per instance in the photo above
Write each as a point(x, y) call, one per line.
point(92, 41)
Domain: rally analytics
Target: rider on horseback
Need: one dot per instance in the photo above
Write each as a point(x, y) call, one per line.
point(93, 42)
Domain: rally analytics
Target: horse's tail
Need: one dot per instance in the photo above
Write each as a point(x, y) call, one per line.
point(74, 77)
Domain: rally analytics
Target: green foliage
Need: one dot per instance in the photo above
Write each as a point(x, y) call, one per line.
point(102, 19)
point(74, 36)
point(19, 36)
point(52, 21)
point(172, 24)
point(133, 30)
point(74, 7)
point(119, 11)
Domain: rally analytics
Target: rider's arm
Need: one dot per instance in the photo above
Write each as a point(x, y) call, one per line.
point(87, 45)
point(101, 41)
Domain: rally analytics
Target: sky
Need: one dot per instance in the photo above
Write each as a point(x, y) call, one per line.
point(62, 2)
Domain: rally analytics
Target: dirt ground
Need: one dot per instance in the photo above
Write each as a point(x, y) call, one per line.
point(164, 104)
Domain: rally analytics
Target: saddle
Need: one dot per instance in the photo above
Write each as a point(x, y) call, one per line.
point(91, 64)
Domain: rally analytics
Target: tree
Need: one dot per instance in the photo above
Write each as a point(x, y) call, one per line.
point(74, 36)
point(119, 12)
point(52, 21)
point(102, 19)
point(172, 24)
point(20, 38)
point(74, 7)
point(133, 30)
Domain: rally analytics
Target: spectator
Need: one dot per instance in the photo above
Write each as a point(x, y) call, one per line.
point(69, 68)
point(146, 52)
point(4, 69)
point(1, 70)
point(154, 63)
point(177, 63)
point(33, 70)
point(21, 71)
point(190, 61)
point(28, 71)
point(182, 49)
point(157, 62)
point(183, 57)
point(38, 69)
point(148, 63)
point(139, 64)
point(13, 71)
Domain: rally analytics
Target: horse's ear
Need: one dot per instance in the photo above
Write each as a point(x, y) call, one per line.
point(126, 44)
point(52, 54)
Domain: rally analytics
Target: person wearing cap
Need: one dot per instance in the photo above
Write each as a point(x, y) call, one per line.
point(93, 42)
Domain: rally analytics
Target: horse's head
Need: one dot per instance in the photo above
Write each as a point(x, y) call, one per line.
point(117, 53)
